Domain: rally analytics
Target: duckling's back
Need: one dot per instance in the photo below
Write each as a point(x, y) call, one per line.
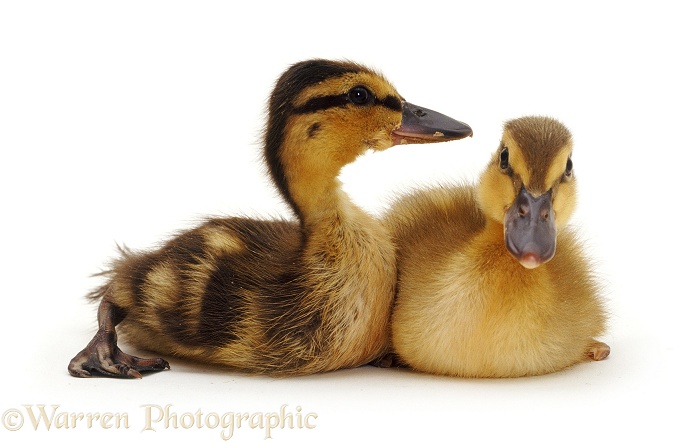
point(447, 217)
point(214, 262)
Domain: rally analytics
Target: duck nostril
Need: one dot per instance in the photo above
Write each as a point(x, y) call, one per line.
point(419, 112)
point(544, 214)
point(523, 210)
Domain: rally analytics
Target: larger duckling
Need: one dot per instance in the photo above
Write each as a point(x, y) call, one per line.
point(492, 283)
point(278, 297)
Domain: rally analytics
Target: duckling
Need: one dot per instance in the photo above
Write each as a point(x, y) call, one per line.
point(492, 282)
point(279, 297)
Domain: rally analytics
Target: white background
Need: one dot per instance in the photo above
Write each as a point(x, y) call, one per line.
point(127, 121)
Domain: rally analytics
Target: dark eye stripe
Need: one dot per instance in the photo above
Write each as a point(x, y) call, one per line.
point(321, 103)
point(391, 102)
point(339, 101)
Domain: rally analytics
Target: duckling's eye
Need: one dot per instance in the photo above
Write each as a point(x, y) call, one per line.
point(569, 167)
point(360, 95)
point(504, 159)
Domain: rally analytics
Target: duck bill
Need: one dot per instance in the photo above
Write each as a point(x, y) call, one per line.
point(421, 125)
point(530, 229)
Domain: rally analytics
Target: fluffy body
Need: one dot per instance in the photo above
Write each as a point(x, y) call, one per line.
point(465, 306)
point(312, 305)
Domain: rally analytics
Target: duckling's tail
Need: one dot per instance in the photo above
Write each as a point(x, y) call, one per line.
point(100, 292)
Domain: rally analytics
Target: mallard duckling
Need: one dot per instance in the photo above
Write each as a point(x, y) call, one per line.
point(278, 297)
point(492, 283)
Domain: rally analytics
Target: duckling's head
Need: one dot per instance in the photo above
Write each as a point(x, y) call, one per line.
point(529, 187)
point(323, 114)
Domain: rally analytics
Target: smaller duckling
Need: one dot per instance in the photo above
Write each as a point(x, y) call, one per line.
point(492, 283)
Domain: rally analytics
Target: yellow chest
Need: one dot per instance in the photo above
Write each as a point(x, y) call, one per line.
point(481, 314)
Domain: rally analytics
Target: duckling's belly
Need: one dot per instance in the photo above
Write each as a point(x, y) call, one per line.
point(475, 317)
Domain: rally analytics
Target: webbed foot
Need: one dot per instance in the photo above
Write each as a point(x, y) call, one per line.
point(598, 351)
point(102, 356)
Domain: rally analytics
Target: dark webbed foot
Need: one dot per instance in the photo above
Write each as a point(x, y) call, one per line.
point(102, 356)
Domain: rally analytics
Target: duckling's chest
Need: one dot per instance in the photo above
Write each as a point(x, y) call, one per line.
point(350, 248)
point(491, 300)
point(353, 275)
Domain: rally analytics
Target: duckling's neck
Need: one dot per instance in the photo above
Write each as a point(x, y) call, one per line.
point(494, 232)
point(315, 192)
point(349, 257)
